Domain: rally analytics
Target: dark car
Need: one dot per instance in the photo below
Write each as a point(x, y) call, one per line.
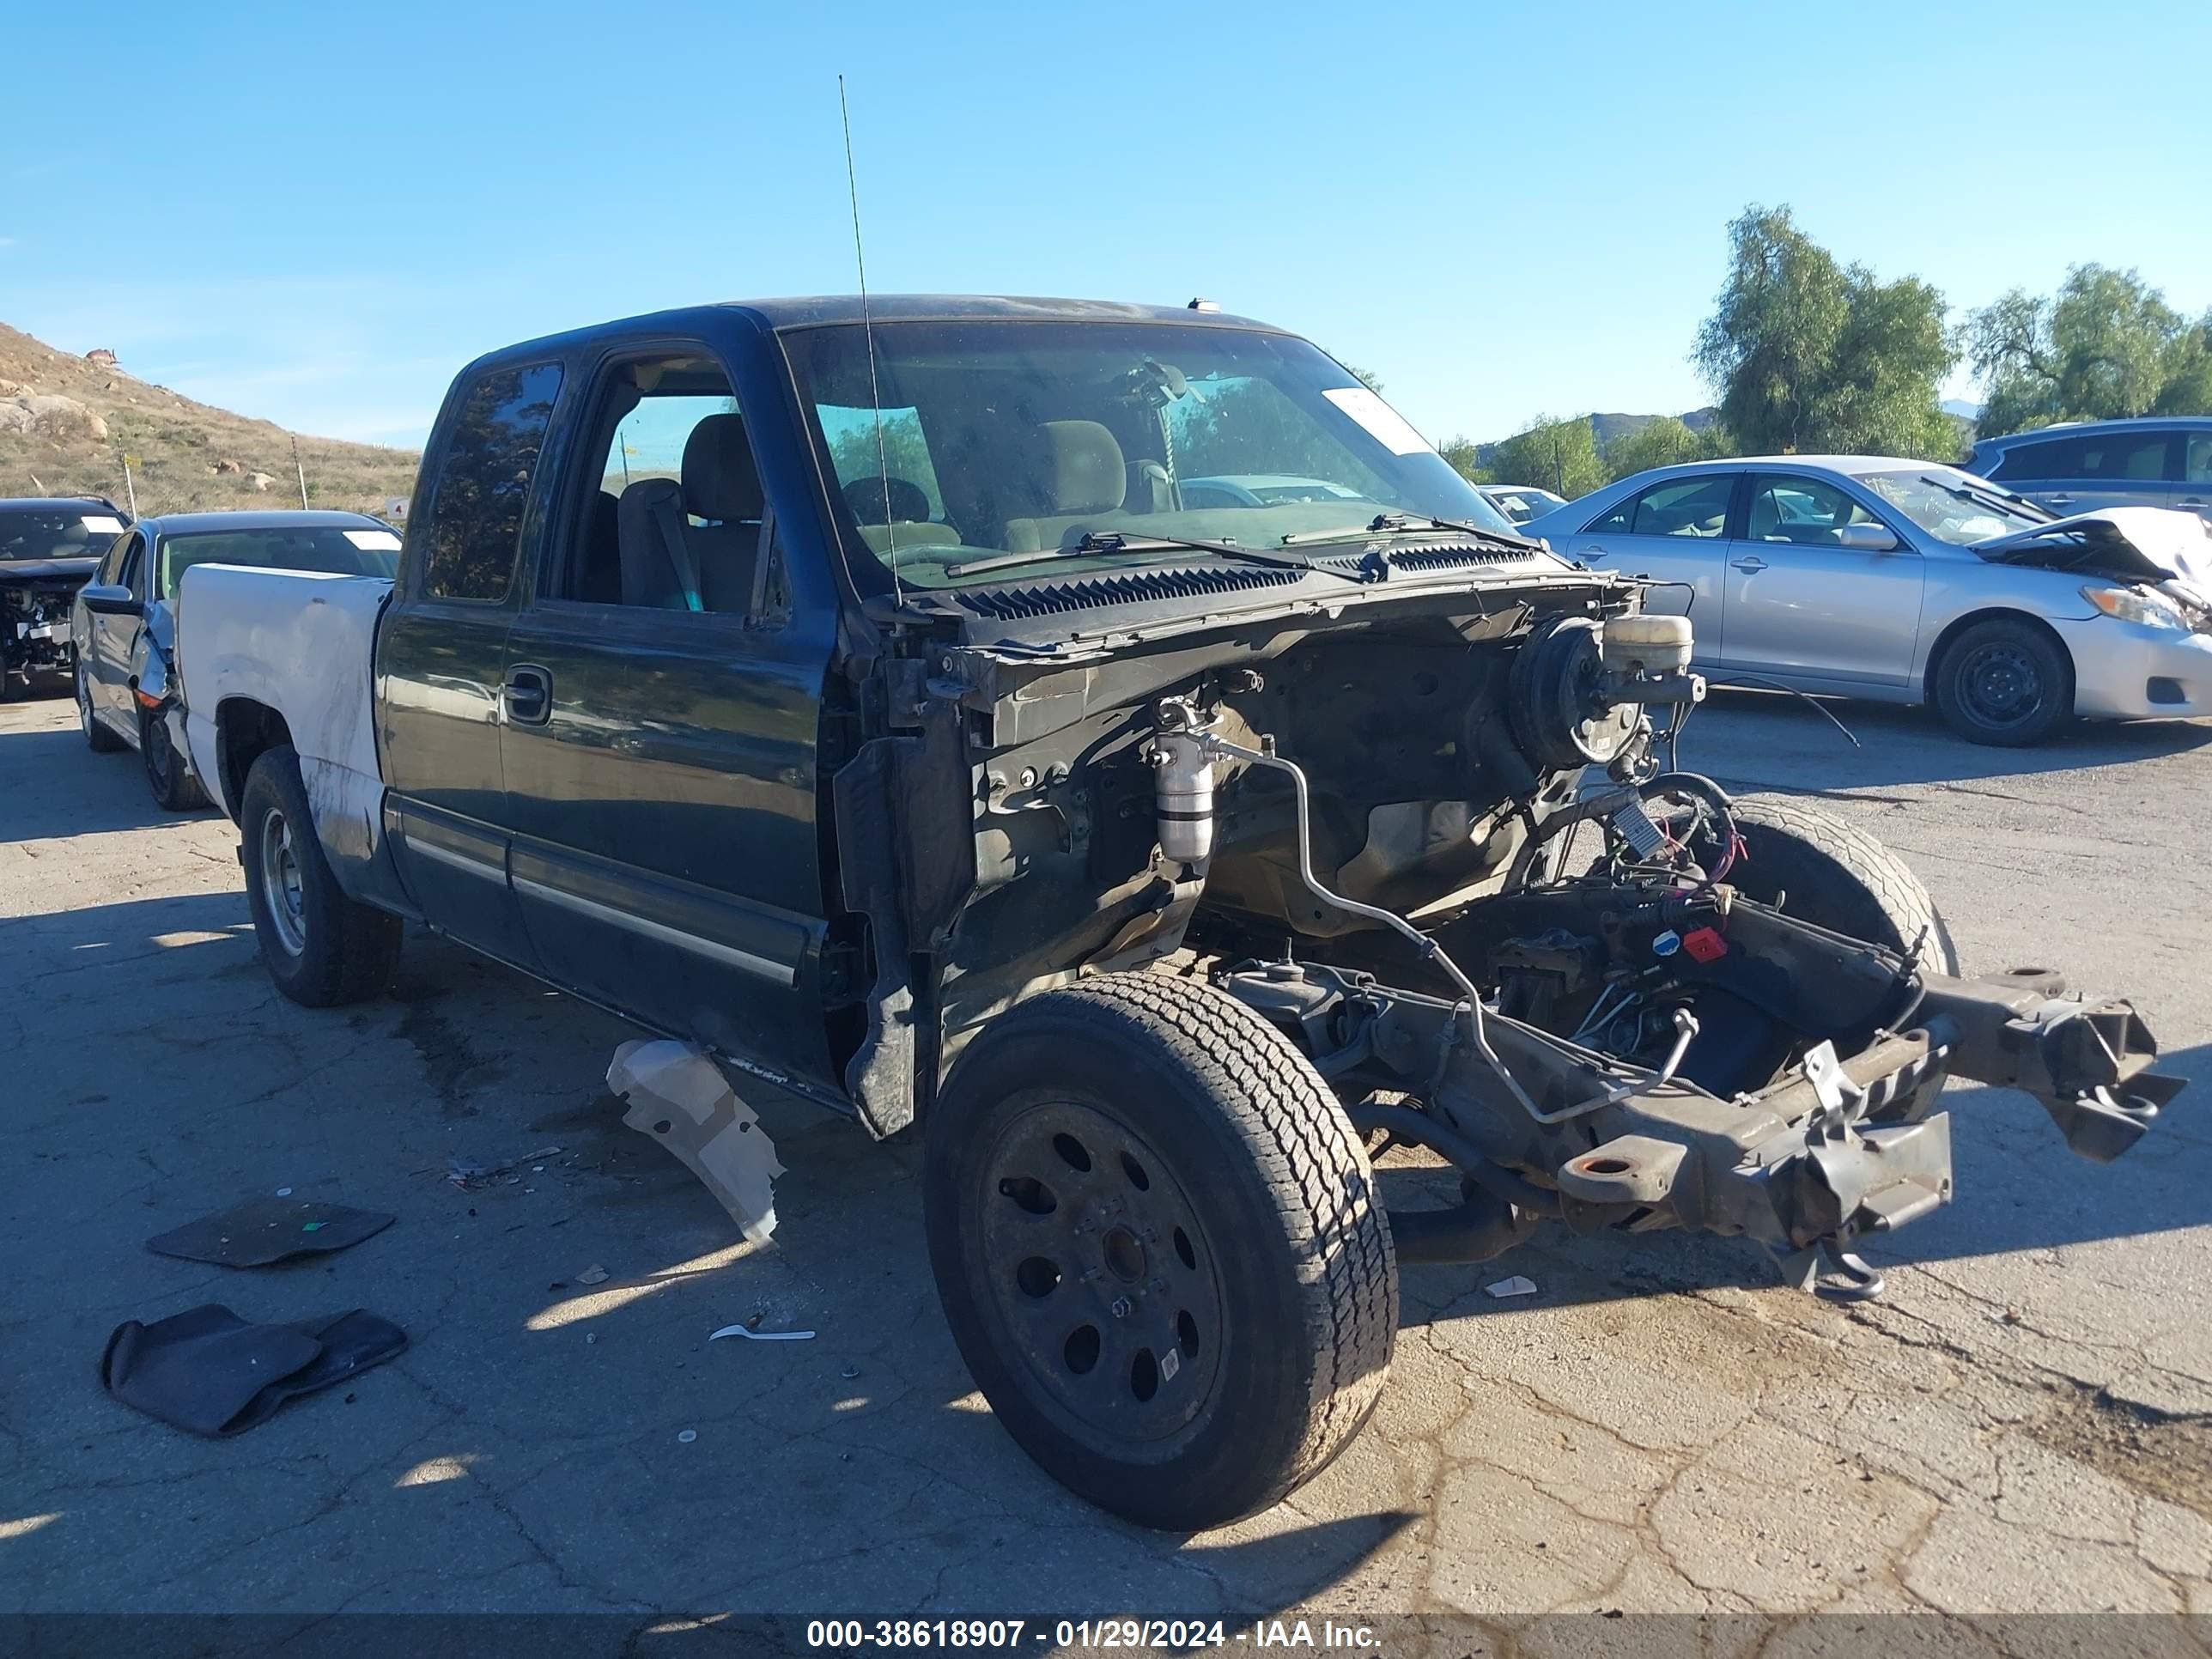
point(49, 547)
point(2085, 466)
point(124, 625)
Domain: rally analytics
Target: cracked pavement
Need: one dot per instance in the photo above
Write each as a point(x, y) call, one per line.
point(2021, 1424)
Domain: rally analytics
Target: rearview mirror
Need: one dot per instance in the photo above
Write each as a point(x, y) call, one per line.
point(108, 598)
point(1869, 538)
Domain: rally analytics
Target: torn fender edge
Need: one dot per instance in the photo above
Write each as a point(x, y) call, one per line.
point(676, 1095)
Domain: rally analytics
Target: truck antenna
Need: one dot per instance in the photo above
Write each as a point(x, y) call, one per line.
point(868, 334)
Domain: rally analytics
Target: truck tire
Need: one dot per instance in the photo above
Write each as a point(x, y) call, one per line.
point(1160, 1247)
point(321, 947)
point(1835, 875)
point(2005, 682)
point(97, 738)
point(174, 787)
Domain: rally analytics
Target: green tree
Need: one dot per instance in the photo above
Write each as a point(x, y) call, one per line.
point(1366, 377)
point(1811, 355)
point(1662, 441)
point(1561, 456)
point(2105, 347)
point(1465, 458)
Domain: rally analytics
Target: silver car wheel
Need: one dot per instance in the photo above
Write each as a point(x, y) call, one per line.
point(282, 892)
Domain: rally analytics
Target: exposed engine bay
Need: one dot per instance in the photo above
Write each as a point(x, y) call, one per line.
point(1364, 826)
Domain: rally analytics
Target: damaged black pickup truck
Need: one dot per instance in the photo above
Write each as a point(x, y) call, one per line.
point(866, 700)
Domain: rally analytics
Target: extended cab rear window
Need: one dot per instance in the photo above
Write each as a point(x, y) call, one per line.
point(475, 527)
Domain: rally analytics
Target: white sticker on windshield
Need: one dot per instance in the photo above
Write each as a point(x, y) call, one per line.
point(101, 524)
point(374, 541)
point(1385, 424)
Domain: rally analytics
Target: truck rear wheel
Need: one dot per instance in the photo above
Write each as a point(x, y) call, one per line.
point(321, 947)
point(1160, 1247)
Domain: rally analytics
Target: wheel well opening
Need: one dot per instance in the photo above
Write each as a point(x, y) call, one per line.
point(244, 732)
point(1949, 637)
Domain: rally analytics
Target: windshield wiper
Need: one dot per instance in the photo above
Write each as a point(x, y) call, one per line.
point(1406, 524)
point(1996, 501)
point(1113, 542)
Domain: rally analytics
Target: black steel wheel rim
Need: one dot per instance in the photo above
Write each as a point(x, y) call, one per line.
point(2000, 685)
point(1102, 1278)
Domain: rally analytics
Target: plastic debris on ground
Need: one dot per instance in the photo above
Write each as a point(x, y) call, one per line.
point(594, 1274)
point(762, 1336)
point(471, 1175)
point(677, 1095)
point(1515, 1285)
point(260, 1230)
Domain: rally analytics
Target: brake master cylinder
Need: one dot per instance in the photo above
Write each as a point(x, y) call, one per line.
point(1183, 784)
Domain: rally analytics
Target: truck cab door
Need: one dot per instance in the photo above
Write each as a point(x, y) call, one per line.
point(662, 782)
point(442, 660)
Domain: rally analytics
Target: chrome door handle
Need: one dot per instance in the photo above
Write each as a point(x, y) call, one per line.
point(1753, 563)
point(527, 696)
point(2060, 501)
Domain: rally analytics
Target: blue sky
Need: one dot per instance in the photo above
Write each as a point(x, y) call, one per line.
point(315, 213)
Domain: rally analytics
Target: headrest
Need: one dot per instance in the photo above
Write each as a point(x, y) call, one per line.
point(1087, 470)
point(909, 501)
point(720, 479)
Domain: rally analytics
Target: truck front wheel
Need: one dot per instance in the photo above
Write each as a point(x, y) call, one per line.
point(322, 948)
point(1160, 1247)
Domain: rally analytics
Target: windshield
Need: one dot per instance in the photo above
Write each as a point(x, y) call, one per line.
point(1954, 506)
point(45, 534)
point(370, 550)
point(1005, 438)
point(1523, 505)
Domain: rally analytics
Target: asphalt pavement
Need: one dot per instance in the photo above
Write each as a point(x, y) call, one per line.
point(2020, 1423)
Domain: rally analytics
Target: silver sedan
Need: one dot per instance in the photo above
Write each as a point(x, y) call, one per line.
point(1903, 581)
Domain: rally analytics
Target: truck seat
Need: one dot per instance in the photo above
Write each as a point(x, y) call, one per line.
point(909, 524)
point(692, 544)
point(1088, 483)
point(722, 487)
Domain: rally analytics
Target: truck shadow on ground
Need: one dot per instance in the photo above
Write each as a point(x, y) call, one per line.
point(1801, 751)
point(2019, 1189)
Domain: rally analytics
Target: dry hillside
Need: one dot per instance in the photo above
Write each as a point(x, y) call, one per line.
point(66, 423)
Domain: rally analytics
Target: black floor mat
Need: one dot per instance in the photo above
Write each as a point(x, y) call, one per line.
point(263, 1230)
point(211, 1372)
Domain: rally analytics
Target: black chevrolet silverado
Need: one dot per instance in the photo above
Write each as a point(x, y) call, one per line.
point(857, 696)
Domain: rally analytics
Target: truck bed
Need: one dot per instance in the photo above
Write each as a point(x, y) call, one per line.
point(301, 643)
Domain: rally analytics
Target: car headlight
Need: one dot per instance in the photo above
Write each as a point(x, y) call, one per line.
point(2134, 605)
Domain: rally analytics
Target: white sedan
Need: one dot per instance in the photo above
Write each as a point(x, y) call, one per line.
point(1903, 581)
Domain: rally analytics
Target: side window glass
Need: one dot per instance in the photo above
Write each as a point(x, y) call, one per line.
point(1806, 511)
point(1616, 522)
point(134, 568)
point(111, 568)
point(475, 528)
point(1685, 506)
point(668, 513)
point(2197, 464)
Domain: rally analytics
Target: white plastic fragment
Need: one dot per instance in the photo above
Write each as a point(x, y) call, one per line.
point(594, 1274)
point(1515, 1285)
point(678, 1095)
point(687, 1436)
point(762, 1336)
point(283, 1192)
